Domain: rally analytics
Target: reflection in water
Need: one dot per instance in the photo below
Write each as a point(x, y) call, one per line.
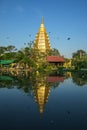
point(26, 78)
point(17, 105)
point(42, 87)
point(79, 78)
point(41, 94)
point(41, 91)
point(39, 84)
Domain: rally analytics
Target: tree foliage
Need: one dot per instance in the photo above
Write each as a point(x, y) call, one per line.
point(79, 59)
point(54, 52)
point(79, 54)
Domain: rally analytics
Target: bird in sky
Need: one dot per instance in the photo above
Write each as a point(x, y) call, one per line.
point(29, 35)
point(7, 37)
point(68, 38)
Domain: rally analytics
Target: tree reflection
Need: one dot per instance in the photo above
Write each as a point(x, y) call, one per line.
point(6, 82)
point(79, 78)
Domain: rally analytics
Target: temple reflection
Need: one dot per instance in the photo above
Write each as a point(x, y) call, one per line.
point(42, 89)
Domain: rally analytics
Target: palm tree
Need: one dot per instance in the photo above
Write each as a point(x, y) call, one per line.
point(79, 59)
point(80, 54)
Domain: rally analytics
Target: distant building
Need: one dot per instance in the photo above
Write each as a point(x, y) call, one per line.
point(57, 60)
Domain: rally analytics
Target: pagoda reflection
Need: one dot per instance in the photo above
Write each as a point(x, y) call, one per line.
point(41, 91)
point(42, 88)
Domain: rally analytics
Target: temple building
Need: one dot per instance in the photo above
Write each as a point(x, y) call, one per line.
point(57, 60)
point(42, 43)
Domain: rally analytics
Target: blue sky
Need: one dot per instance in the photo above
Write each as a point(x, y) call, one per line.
point(62, 18)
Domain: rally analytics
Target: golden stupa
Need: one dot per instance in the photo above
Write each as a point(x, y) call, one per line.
point(42, 43)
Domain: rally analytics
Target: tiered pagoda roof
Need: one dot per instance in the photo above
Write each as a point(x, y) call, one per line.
point(42, 42)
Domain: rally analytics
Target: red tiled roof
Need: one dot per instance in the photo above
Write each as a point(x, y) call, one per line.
point(54, 79)
point(55, 59)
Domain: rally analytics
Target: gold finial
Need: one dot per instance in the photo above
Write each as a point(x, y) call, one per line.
point(42, 20)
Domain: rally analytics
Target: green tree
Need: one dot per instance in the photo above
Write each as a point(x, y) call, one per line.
point(54, 52)
point(10, 48)
point(80, 54)
point(2, 50)
point(79, 59)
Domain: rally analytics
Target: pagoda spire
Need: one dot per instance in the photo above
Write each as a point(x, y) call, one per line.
point(42, 43)
point(42, 20)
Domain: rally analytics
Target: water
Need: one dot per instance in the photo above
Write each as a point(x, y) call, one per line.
point(42, 102)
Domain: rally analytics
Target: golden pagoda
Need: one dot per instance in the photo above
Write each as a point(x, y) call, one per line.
point(42, 43)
